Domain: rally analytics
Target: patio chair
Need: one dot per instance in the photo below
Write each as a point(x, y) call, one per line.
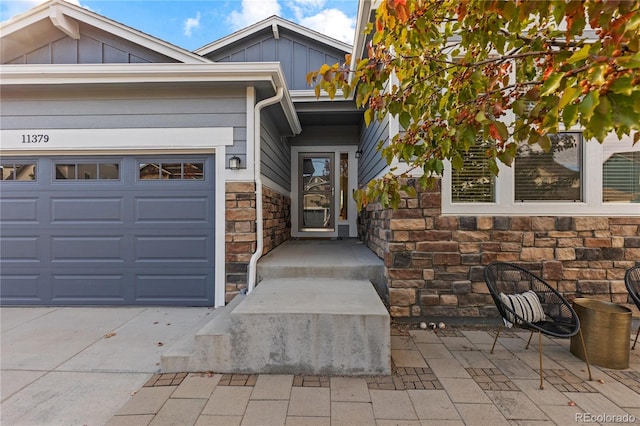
point(632, 282)
point(525, 300)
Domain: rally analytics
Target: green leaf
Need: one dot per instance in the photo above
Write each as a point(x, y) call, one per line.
point(545, 143)
point(368, 117)
point(405, 119)
point(481, 118)
point(588, 104)
point(570, 94)
point(457, 162)
point(570, 115)
point(629, 61)
point(579, 55)
point(551, 84)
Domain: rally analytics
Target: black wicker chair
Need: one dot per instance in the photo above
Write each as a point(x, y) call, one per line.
point(507, 283)
point(632, 281)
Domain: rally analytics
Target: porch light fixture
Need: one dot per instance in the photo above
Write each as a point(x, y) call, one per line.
point(359, 153)
point(234, 163)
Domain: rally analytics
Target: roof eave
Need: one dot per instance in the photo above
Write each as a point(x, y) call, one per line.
point(268, 24)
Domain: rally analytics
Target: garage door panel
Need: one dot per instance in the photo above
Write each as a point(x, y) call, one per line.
point(172, 248)
point(87, 287)
point(19, 249)
point(175, 287)
point(21, 288)
point(87, 210)
point(88, 248)
point(172, 210)
point(19, 210)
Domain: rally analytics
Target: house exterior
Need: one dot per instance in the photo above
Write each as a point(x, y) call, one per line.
point(118, 185)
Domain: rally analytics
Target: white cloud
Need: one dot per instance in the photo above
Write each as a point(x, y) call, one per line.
point(190, 24)
point(332, 22)
point(253, 11)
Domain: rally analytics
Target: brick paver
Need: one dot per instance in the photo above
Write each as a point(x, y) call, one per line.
point(459, 383)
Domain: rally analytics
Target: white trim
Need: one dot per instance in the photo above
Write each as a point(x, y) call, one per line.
point(114, 140)
point(310, 96)
point(270, 23)
point(220, 228)
point(68, 26)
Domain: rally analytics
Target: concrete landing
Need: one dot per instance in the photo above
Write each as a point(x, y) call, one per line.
point(314, 311)
point(312, 326)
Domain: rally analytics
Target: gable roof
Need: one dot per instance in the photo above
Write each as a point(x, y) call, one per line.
point(65, 16)
point(274, 23)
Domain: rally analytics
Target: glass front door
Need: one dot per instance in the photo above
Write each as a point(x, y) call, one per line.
point(316, 192)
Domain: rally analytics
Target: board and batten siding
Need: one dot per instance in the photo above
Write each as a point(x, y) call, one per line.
point(93, 47)
point(371, 163)
point(128, 108)
point(275, 155)
point(297, 55)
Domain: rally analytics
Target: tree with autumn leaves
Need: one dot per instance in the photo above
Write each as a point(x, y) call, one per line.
point(463, 74)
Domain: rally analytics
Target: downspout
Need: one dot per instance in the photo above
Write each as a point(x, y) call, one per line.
point(258, 179)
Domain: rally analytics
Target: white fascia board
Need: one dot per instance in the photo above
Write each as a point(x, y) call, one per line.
point(310, 96)
point(93, 19)
point(48, 74)
point(269, 23)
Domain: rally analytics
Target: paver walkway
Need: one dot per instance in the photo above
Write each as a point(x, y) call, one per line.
point(441, 377)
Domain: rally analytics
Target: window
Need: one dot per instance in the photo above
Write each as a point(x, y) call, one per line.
point(620, 173)
point(575, 177)
point(553, 175)
point(18, 172)
point(474, 183)
point(87, 171)
point(171, 170)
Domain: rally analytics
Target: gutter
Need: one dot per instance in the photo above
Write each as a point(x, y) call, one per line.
point(253, 272)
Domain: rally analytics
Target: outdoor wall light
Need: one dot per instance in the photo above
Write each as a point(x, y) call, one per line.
point(359, 153)
point(234, 163)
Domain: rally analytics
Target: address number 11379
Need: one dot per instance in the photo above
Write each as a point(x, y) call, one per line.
point(35, 138)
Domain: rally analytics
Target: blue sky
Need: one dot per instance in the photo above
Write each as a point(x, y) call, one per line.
point(192, 24)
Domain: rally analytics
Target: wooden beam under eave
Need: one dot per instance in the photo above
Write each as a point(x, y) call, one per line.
point(65, 24)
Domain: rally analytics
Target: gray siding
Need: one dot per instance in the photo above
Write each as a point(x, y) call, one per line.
point(128, 108)
point(371, 164)
point(327, 135)
point(275, 154)
point(93, 47)
point(297, 55)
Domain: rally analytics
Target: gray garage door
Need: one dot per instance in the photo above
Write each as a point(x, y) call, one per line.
point(107, 230)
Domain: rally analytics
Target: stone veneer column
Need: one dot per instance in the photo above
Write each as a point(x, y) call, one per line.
point(240, 233)
point(434, 263)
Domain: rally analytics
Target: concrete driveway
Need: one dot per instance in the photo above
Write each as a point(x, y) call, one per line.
point(78, 366)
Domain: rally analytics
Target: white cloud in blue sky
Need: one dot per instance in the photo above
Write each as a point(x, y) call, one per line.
point(190, 24)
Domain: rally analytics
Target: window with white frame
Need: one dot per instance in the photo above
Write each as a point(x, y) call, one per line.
point(551, 175)
point(574, 177)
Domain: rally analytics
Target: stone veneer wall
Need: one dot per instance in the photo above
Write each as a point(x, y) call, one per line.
point(240, 232)
point(434, 263)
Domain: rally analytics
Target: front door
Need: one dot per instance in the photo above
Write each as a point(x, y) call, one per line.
point(316, 185)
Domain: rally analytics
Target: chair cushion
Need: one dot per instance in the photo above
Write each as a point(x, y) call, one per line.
point(526, 305)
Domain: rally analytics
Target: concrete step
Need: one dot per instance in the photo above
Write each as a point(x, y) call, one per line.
point(319, 326)
point(208, 350)
point(347, 259)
